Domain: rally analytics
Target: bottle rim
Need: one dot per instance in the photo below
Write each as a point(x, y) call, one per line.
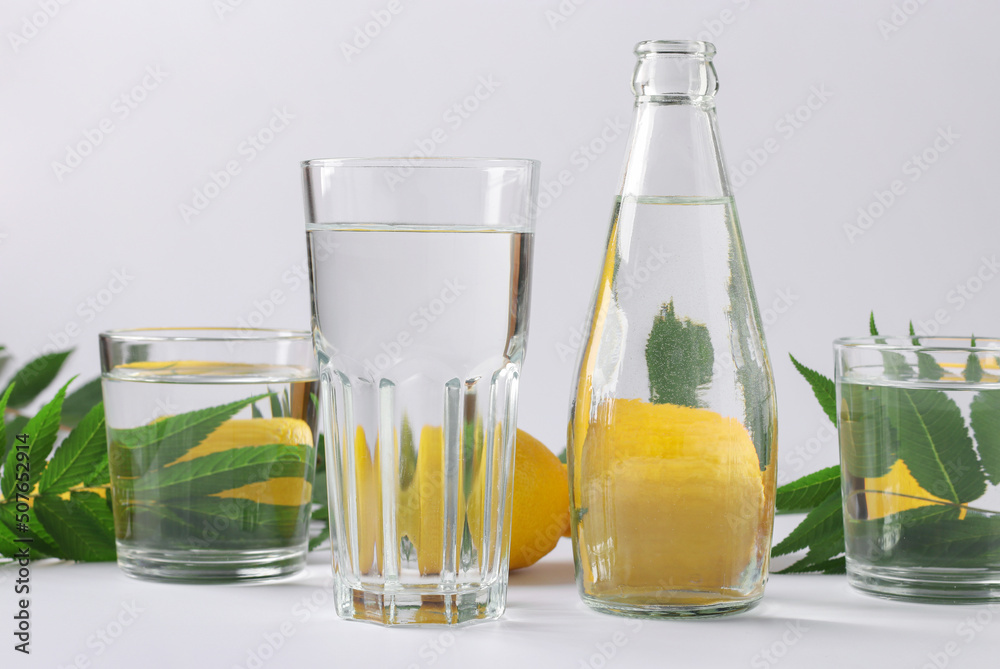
point(675, 47)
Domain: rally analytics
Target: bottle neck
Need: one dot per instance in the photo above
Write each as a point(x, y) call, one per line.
point(674, 148)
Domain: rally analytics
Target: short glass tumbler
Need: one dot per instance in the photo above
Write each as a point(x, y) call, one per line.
point(211, 451)
point(420, 273)
point(919, 426)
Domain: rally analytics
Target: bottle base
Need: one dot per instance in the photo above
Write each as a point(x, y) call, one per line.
point(210, 566)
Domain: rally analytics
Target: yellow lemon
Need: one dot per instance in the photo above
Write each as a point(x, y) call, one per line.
point(426, 505)
point(282, 491)
point(367, 488)
point(251, 432)
point(670, 497)
point(541, 502)
point(897, 491)
point(539, 497)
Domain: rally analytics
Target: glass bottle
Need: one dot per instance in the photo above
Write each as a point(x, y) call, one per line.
point(673, 430)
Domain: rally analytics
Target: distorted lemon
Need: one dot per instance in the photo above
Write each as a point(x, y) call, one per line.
point(367, 488)
point(898, 491)
point(422, 508)
point(281, 491)
point(196, 368)
point(251, 432)
point(671, 497)
point(539, 503)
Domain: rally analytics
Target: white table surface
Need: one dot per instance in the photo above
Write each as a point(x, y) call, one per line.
point(803, 621)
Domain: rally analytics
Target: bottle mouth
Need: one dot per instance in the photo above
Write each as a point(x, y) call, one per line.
point(674, 71)
point(677, 47)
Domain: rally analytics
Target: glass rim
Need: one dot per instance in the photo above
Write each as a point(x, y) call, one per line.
point(675, 47)
point(238, 334)
point(923, 343)
point(453, 162)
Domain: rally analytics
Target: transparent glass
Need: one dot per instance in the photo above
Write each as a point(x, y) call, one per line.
point(211, 451)
point(672, 436)
point(919, 426)
point(420, 274)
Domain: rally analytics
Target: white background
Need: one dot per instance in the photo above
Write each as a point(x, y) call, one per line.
point(893, 75)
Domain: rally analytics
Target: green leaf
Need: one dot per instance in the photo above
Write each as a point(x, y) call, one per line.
point(4, 358)
point(72, 524)
point(255, 412)
point(14, 427)
point(973, 372)
point(407, 454)
point(927, 367)
point(806, 566)
point(98, 508)
point(820, 555)
point(33, 378)
point(966, 539)
point(806, 493)
point(79, 402)
point(679, 356)
point(149, 446)
point(42, 544)
point(275, 404)
point(41, 430)
point(894, 364)
point(9, 547)
point(79, 456)
point(562, 456)
point(216, 522)
point(822, 387)
point(895, 367)
point(319, 489)
point(286, 404)
point(867, 429)
point(3, 425)
point(319, 539)
point(935, 445)
point(934, 536)
point(218, 472)
point(984, 416)
point(823, 521)
point(101, 475)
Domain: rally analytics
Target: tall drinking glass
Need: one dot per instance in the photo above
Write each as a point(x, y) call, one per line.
point(419, 272)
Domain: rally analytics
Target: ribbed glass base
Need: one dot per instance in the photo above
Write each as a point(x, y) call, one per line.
point(419, 606)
